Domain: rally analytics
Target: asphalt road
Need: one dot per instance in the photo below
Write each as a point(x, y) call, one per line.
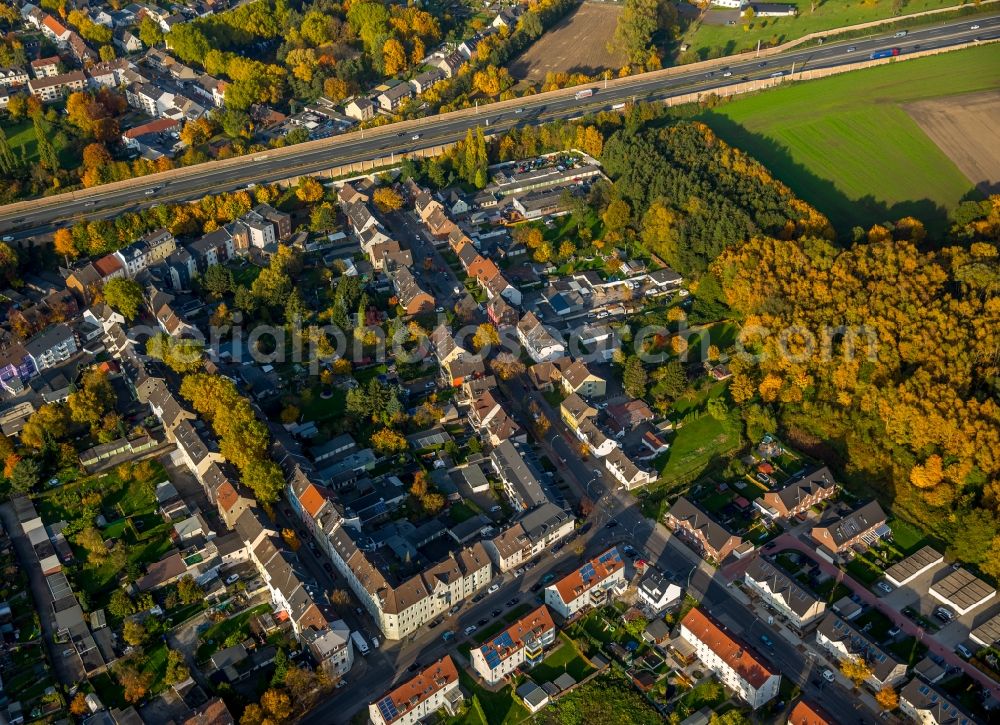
point(385, 141)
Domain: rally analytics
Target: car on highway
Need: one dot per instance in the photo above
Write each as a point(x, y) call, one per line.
point(150, 192)
point(416, 137)
point(851, 49)
point(974, 27)
point(901, 34)
point(493, 589)
point(521, 110)
point(766, 640)
point(884, 587)
point(470, 629)
point(828, 675)
point(727, 74)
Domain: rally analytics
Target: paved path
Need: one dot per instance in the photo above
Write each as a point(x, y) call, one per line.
point(904, 623)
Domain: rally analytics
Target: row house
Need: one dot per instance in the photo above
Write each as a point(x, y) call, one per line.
point(799, 496)
point(540, 344)
point(863, 526)
point(445, 348)
point(416, 700)
point(152, 248)
point(696, 527)
point(534, 533)
point(450, 64)
point(926, 704)
point(399, 608)
point(732, 661)
point(423, 82)
point(392, 98)
point(13, 77)
point(412, 297)
point(489, 418)
point(592, 585)
point(777, 589)
point(519, 647)
point(501, 313)
point(55, 88)
point(844, 642)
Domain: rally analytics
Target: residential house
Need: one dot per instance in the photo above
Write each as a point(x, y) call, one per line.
point(864, 525)
point(450, 64)
point(777, 589)
point(54, 88)
point(843, 641)
point(733, 662)
point(657, 592)
point(592, 585)
point(412, 297)
point(13, 77)
point(500, 313)
point(540, 344)
point(520, 646)
point(436, 687)
point(577, 378)
point(926, 704)
point(422, 82)
point(52, 346)
point(360, 109)
point(626, 471)
point(535, 532)
point(798, 496)
point(519, 477)
point(698, 528)
point(332, 648)
point(392, 98)
point(46, 67)
point(126, 41)
point(445, 348)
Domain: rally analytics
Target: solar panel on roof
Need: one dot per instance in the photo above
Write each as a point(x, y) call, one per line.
point(503, 640)
point(587, 572)
point(388, 709)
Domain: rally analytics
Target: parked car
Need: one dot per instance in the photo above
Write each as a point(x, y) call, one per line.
point(482, 622)
point(512, 601)
point(493, 589)
point(232, 579)
point(828, 675)
point(470, 629)
point(964, 651)
point(496, 613)
point(894, 631)
point(884, 587)
point(944, 614)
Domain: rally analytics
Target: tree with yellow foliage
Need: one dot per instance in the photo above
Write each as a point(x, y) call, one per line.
point(309, 190)
point(394, 57)
point(387, 199)
point(887, 698)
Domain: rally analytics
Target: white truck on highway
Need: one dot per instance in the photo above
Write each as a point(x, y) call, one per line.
point(359, 642)
point(585, 93)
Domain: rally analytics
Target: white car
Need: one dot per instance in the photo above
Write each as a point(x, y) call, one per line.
point(8, 238)
point(884, 587)
point(828, 675)
point(493, 589)
point(470, 629)
point(974, 27)
point(374, 642)
point(232, 579)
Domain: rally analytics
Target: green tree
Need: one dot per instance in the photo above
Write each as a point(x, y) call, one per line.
point(218, 280)
point(177, 669)
point(149, 32)
point(134, 633)
point(634, 377)
point(189, 591)
point(47, 156)
point(25, 475)
point(124, 295)
point(671, 381)
point(8, 162)
point(120, 605)
point(265, 479)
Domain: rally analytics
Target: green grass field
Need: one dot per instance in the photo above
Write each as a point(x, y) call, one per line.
point(710, 40)
point(846, 145)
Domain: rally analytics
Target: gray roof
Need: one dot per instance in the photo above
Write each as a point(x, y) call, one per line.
point(796, 598)
point(858, 644)
point(47, 339)
point(796, 492)
point(914, 564)
point(512, 467)
point(963, 589)
point(714, 532)
point(543, 518)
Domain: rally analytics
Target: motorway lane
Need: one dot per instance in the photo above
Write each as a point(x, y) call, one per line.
point(385, 141)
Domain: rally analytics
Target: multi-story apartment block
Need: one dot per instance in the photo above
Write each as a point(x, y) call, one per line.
point(535, 532)
point(521, 645)
point(732, 662)
point(409, 703)
point(51, 346)
point(520, 480)
point(699, 529)
point(55, 88)
point(332, 648)
point(862, 526)
point(802, 607)
point(540, 344)
point(589, 586)
point(798, 496)
point(844, 642)
point(12, 77)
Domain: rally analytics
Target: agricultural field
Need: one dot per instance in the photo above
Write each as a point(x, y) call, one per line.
point(577, 44)
point(965, 130)
point(847, 144)
point(711, 36)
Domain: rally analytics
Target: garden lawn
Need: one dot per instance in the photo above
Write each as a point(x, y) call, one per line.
point(906, 536)
point(318, 409)
point(697, 444)
point(213, 638)
point(846, 145)
point(566, 659)
point(500, 708)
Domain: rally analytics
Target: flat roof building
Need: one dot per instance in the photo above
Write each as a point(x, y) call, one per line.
point(963, 591)
point(905, 571)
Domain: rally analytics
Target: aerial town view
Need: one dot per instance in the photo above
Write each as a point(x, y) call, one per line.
point(488, 362)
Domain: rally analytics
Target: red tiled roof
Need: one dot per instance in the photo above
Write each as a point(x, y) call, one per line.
point(312, 500)
point(533, 624)
point(726, 648)
point(160, 125)
point(54, 25)
point(572, 585)
point(108, 265)
point(431, 680)
point(805, 714)
point(51, 60)
point(227, 496)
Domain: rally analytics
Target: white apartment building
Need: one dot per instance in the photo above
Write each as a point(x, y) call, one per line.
point(783, 593)
point(416, 699)
point(588, 586)
point(535, 532)
point(731, 661)
point(523, 643)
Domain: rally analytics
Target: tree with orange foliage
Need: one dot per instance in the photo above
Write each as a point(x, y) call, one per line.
point(62, 240)
point(394, 57)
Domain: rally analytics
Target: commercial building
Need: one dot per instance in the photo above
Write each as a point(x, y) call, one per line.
point(590, 585)
point(731, 661)
point(522, 645)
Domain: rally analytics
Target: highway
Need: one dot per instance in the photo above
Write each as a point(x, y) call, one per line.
point(387, 141)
